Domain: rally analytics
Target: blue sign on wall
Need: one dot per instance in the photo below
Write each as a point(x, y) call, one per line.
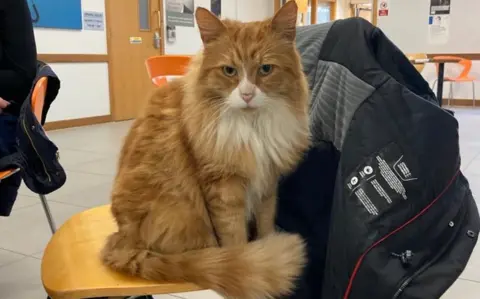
point(61, 14)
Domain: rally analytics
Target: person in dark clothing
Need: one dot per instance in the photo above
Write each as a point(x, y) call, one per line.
point(18, 61)
point(18, 53)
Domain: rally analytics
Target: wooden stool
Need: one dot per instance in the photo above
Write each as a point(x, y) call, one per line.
point(71, 266)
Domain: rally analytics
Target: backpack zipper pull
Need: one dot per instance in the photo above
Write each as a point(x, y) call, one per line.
point(405, 257)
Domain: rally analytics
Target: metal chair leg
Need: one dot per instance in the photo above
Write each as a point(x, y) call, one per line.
point(450, 94)
point(434, 83)
point(473, 92)
point(46, 208)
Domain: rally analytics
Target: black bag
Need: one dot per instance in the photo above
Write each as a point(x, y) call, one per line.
point(36, 155)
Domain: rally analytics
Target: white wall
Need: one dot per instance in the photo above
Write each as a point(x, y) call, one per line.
point(84, 86)
point(229, 9)
point(254, 10)
point(407, 26)
point(56, 41)
point(84, 91)
point(343, 9)
point(188, 38)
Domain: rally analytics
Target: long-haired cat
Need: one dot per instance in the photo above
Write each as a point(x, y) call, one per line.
point(204, 160)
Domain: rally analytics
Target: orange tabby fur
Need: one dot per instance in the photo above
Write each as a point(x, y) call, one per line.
point(193, 168)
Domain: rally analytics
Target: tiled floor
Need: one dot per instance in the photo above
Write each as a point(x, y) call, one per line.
point(89, 155)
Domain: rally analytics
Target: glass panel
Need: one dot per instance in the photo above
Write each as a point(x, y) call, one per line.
point(144, 14)
point(308, 16)
point(323, 13)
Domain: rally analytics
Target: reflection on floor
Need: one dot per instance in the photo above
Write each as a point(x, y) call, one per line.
point(89, 155)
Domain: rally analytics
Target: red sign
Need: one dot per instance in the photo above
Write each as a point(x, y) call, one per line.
point(383, 9)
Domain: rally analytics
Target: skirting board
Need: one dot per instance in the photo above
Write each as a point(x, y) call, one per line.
point(461, 102)
point(73, 58)
point(79, 122)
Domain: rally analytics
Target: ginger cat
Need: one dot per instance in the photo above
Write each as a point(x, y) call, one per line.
point(205, 158)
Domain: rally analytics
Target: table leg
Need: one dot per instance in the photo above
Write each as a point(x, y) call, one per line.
point(441, 72)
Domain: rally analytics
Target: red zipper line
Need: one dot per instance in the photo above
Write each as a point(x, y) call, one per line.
point(362, 257)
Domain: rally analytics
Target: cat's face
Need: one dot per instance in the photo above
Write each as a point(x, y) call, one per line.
point(246, 66)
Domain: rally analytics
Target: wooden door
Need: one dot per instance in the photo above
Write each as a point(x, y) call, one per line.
point(134, 33)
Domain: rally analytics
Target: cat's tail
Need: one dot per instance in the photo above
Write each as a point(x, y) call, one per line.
point(266, 268)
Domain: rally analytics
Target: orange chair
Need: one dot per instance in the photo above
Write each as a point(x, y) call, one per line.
point(72, 269)
point(463, 77)
point(8, 173)
point(159, 67)
point(71, 265)
point(38, 100)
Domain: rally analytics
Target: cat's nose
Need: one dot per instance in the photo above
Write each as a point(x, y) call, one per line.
point(247, 97)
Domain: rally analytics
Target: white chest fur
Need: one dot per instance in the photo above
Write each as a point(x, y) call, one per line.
point(269, 133)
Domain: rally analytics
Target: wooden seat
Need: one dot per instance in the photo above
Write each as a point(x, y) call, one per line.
point(72, 269)
point(415, 56)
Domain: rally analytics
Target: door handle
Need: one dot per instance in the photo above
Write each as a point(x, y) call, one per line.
point(159, 19)
point(157, 40)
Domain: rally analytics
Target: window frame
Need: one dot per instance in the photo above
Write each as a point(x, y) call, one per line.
point(313, 6)
point(149, 17)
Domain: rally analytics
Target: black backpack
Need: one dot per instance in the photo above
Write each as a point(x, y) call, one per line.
point(36, 155)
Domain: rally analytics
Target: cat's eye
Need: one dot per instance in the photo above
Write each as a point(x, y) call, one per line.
point(229, 71)
point(265, 69)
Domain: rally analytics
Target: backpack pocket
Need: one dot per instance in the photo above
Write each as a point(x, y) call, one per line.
point(42, 172)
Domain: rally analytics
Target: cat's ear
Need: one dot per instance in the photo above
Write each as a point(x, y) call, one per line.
point(209, 25)
point(285, 20)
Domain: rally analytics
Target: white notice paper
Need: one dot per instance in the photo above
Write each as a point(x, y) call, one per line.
point(439, 22)
point(438, 29)
point(93, 20)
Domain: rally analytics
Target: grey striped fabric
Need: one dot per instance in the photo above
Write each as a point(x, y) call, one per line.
point(309, 43)
point(336, 92)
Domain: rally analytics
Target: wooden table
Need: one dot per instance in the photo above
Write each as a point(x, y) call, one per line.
point(441, 72)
